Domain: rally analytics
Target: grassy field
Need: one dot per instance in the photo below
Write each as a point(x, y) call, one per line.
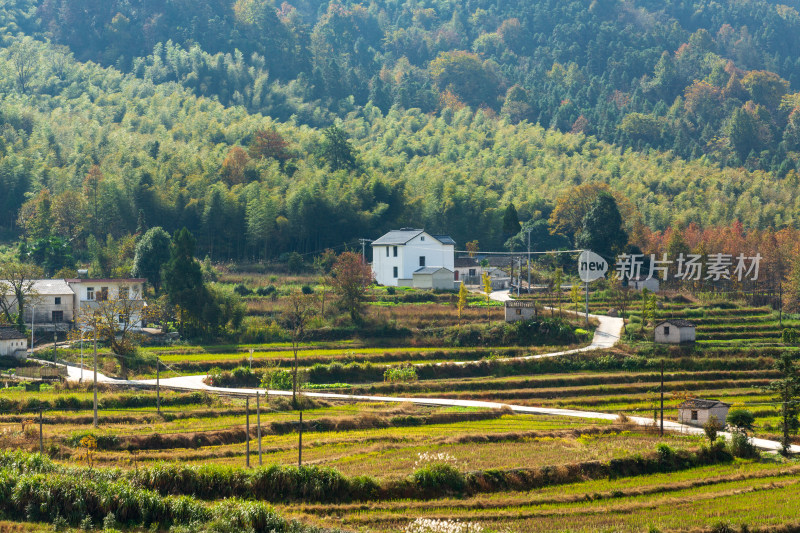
point(390, 443)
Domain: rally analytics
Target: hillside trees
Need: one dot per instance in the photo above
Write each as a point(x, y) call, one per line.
point(152, 253)
point(159, 151)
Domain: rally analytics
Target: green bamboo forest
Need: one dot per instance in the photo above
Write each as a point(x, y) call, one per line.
point(267, 128)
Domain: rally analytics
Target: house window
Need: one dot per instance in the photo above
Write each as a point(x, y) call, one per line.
point(472, 273)
point(58, 300)
point(387, 251)
point(90, 293)
point(123, 293)
point(102, 296)
point(394, 251)
point(422, 238)
point(519, 311)
point(422, 260)
point(394, 271)
point(666, 330)
point(694, 415)
point(58, 316)
point(122, 319)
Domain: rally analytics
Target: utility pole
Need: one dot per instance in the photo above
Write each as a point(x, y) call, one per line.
point(33, 315)
point(95, 371)
point(586, 289)
point(82, 332)
point(662, 397)
point(529, 260)
point(247, 414)
point(519, 274)
point(364, 249)
point(258, 424)
point(158, 385)
point(300, 442)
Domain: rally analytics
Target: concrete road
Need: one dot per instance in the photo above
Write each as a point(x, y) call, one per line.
point(606, 335)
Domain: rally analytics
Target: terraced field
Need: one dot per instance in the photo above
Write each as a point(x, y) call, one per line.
point(765, 494)
point(512, 473)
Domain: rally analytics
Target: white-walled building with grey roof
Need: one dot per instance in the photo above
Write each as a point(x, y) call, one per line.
point(397, 255)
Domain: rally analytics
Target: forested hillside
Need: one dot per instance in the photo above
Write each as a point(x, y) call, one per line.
point(268, 128)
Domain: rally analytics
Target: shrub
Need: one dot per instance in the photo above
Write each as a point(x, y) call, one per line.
point(278, 380)
point(741, 419)
point(711, 428)
point(265, 291)
point(400, 374)
point(790, 336)
point(241, 290)
point(391, 291)
point(742, 446)
point(439, 477)
point(666, 454)
point(241, 376)
point(306, 289)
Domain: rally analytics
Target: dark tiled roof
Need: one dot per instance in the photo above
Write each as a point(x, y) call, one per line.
point(697, 403)
point(461, 262)
point(8, 334)
point(678, 322)
point(397, 236)
point(444, 239)
point(105, 280)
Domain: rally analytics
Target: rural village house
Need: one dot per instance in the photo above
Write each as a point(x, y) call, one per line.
point(399, 254)
point(674, 331)
point(468, 270)
point(54, 304)
point(697, 412)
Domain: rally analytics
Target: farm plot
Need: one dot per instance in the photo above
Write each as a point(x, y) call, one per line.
point(742, 492)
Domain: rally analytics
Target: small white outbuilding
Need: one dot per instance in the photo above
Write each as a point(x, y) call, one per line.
point(697, 412)
point(640, 283)
point(517, 310)
point(12, 343)
point(675, 331)
point(433, 278)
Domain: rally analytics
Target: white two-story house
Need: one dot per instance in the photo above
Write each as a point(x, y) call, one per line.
point(397, 255)
point(90, 293)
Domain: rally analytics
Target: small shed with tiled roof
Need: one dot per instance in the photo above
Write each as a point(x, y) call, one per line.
point(675, 331)
point(696, 411)
point(12, 343)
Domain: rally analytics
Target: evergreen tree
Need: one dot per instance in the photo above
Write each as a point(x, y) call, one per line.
point(787, 394)
point(183, 278)
point(602, 228)
point(511, 225)
point(152, 251)
point(336, 151)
